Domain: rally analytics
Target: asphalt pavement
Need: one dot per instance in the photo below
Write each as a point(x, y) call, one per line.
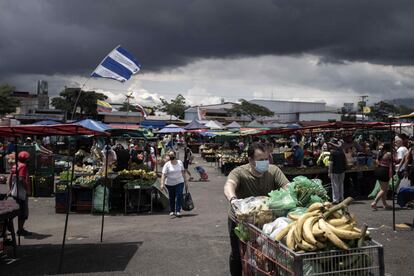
point(156, 244)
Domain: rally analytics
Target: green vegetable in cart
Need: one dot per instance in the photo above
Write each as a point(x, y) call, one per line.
point(282, 199)
point(241, 232)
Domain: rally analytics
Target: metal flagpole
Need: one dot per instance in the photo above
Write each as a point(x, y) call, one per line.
point(68, 205)
point(77, 98)
point(107, 148)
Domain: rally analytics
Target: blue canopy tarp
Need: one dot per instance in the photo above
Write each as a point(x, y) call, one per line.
point(153, 124)
point(171, 129)
point(93, 125)
point(46, 123)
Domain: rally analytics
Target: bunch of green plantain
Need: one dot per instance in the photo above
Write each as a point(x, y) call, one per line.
point(323, 227)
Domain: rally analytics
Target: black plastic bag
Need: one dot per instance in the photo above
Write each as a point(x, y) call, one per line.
point(188, 204)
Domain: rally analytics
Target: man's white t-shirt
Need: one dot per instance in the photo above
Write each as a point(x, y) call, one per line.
point(173, 173)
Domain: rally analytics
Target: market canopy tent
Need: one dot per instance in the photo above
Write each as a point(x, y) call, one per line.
point(171, 129)
point(51, 130)
point(214, 125)
point(234, 125)
point(255, 124)
point(333, 125)
point(95, 125)
point(60, 130)
point(46, 123)
point(194, 125)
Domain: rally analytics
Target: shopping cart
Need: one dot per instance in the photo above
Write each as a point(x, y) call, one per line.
point(202, 172)
point(263, 256)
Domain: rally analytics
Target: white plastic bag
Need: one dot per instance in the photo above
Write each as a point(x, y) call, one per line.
point(404, 183)
point(273, 228)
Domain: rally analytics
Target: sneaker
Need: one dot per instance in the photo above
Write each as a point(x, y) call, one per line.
point(171, 213)
point(178, 214)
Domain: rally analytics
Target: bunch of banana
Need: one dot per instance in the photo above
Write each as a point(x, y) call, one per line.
point(322, 225)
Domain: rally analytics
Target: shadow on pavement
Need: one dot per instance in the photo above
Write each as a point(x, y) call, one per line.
point(36, 236)
point(43, 259)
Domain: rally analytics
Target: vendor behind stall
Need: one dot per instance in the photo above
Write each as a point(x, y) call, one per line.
point(110, 153)
point(122, 157)
point(298, 155)
point(257, 178)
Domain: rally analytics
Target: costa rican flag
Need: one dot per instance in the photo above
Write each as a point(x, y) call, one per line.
point(119, 65)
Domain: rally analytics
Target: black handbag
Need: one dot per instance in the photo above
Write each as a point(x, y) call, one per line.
point(188, 204)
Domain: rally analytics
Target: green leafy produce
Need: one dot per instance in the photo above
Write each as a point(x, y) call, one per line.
point(241, 232)
point(282, 199)
point(309, 191)
point(87, 181)
point(65, 175)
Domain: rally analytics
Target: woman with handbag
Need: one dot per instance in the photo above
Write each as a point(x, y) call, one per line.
point(19, 190)
point(383, 173)
point(174, 179)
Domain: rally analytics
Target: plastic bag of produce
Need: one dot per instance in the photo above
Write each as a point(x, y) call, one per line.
point(298, 211)
point(282, 199)
point(314, 199)
point(98, 199)
point(377, 187)
point(276, 225)
point(282, 223)
point(375, 191)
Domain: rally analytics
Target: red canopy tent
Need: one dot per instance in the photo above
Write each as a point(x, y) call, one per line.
point(55, 130)
point(50, 130)
point(336, 125)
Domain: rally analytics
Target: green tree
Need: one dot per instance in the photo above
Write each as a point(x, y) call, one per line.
point(134, 108)
point(382, 110)
point(8, 103)
point(130, 108)
point(86, 103)
point(251, 109)
point(175, 107)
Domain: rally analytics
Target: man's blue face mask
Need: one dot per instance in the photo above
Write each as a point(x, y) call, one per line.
point(262, 166)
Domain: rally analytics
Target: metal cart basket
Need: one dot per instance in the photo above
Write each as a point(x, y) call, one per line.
point(263, 256)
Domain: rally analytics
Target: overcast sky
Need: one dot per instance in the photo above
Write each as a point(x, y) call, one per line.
point(319, 50)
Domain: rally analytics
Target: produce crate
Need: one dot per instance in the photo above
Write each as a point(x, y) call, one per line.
point(45, 164)
point(83, 206)
point(43, 185)
point(263, 256)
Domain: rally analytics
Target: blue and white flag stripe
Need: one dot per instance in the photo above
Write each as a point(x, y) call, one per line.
point(119, 65)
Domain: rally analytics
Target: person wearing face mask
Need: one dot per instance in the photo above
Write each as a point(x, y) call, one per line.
point(174, 179)
point(258, 178)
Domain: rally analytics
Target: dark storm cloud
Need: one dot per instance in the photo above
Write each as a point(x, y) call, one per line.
point(71, 37)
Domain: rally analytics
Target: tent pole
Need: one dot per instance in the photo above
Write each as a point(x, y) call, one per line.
point(16, 160)
point(68, 205)
point(392, 176)
point(107, 148)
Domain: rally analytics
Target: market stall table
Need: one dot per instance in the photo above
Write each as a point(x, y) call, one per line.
point(136, 192)
point(9, 209)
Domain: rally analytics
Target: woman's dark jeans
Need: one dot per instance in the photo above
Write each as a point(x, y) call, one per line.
point(175, 194)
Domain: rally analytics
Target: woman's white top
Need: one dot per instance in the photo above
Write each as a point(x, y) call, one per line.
point(173, 173)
